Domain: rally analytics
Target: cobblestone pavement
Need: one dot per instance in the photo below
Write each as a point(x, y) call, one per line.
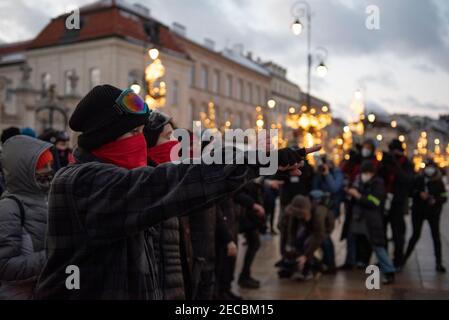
point(418, 280)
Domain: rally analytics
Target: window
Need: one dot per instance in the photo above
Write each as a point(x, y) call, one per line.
point(67, 81)
point(175, 93)
point(216, 82)
point(204, 78)
point(258, 95)
point(229, 85)
point(250, 93)
point(237, 120)
point(240, 90)
point(94, 77)
point(8, 91)
point(192, 76)
point(45, 80)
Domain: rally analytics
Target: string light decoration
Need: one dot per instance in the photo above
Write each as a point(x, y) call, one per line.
point(421, 151)
point(311, 122)
point(208, 118)
point(156, 87)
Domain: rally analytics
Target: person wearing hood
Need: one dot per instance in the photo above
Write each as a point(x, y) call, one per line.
point(101, 207)
point(23, 215)
point(367, 195)
point(429, 195)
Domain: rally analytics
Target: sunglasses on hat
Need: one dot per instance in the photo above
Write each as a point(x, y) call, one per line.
point(131, 103)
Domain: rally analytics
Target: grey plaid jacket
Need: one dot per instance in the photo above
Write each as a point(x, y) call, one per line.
point(99, 216)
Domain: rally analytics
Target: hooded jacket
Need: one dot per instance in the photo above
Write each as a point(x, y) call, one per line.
point(99, 215)
point(22, 255)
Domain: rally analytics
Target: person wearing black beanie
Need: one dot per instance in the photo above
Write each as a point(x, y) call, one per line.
point(8, 133)
point(103, 206)
point(398, 173)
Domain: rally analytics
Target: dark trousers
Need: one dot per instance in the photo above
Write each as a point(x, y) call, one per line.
point(204, 286)
point(284, 229)
point(363, 250)
point(225, 267)
point(433, 218)
point(328, 252)
point(396, 219)
point(253, 244)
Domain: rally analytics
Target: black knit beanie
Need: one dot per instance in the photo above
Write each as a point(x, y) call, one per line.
point(395, 144)
point(98, 121)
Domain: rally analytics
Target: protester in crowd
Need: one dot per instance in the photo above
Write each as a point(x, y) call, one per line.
point(165, 236)
point(397, 172)
point(358, 249)
point(310, 224)
point(429, 195)
point(62, 153)
point(291, 187)
point(330, 180)
point(200, 232)
point(252, 221)
point(100, 207)
point(8, 133)
point(270, 194)
point(226, 249)
point(351, 166)
point(23, 215)
point(368, 194)
point(28, 132)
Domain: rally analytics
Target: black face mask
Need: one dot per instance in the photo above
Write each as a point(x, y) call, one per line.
point(43, 180)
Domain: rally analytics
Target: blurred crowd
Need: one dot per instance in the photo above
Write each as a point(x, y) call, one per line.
point(169, 234)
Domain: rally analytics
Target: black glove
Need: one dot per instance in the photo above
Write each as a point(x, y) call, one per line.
point(290, 156)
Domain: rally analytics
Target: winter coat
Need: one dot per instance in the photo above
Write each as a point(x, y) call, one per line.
point(200, 231)
point(436, 189)
point(99, 215)
point(397, 174)
point(22, 254)
point(250, 194)
point(333, 184)
point(166, 242)
point(315, 231)
point(296, 185)
point(367, 212)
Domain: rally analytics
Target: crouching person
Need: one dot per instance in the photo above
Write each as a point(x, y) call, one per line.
point(367, 195)
point(311, 224)
point(27, 166)
point(101, 206)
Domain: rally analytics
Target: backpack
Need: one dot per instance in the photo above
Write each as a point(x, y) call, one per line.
point(21, 209)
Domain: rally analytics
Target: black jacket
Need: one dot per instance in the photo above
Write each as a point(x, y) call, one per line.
point(294, 186)
point(250, 194)
point(99, 215)
point(367, 212)
point(436, 189)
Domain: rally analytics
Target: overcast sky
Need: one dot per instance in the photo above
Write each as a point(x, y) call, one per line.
point(403, 67)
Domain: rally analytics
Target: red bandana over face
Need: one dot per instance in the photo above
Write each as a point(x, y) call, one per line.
point(161, 153)
point(129, 153)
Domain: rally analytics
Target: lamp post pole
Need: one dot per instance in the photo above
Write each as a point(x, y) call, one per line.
point(308, 13)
